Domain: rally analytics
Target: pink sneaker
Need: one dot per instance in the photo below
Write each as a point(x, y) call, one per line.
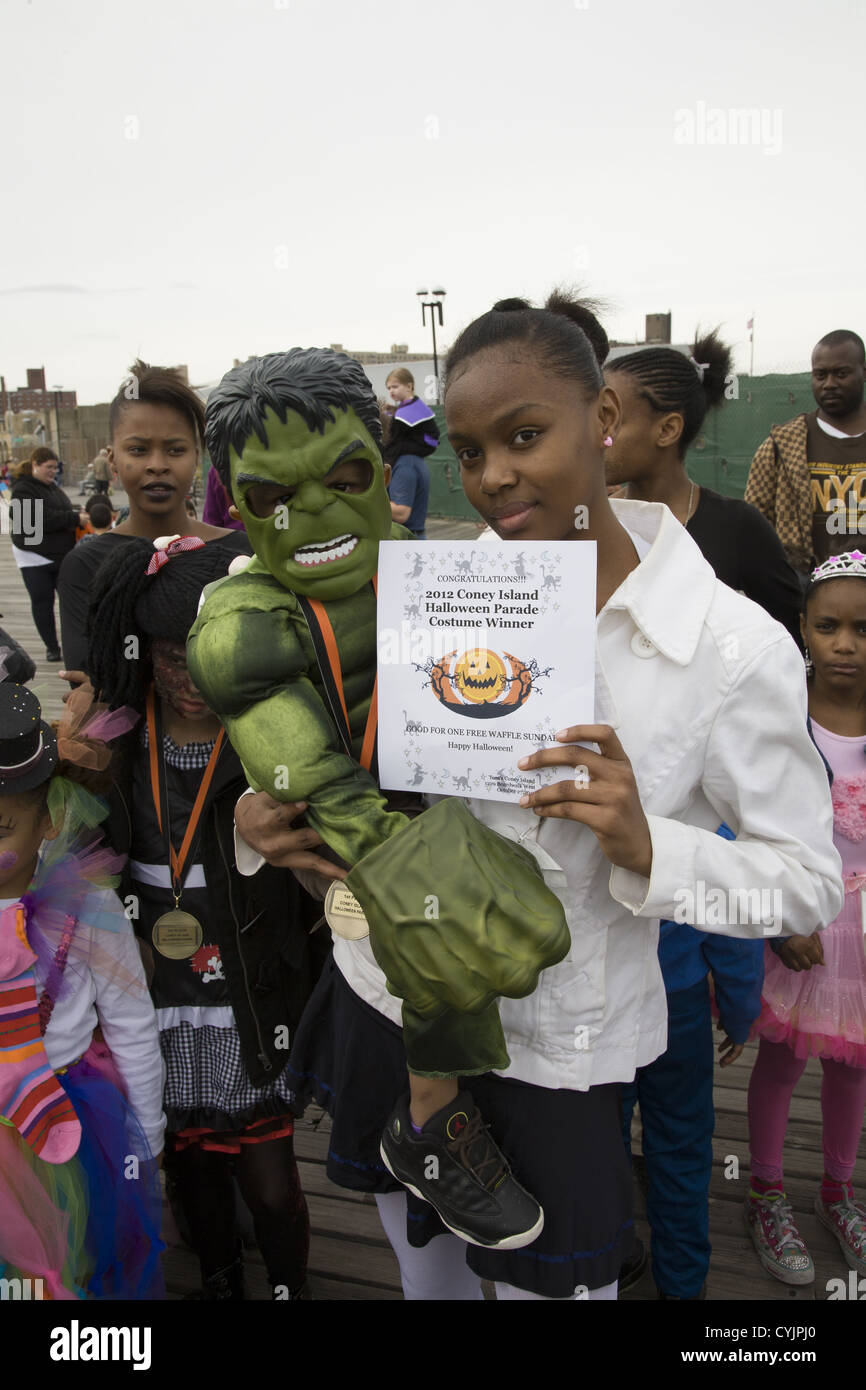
point(770, 1222)
point(847, 1221)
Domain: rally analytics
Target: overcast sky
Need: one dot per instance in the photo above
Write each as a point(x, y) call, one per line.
point(198, 180)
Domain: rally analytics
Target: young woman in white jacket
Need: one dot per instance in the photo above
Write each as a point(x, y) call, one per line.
point(700, 718)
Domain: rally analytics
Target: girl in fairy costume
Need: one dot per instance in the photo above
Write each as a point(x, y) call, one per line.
point(79, 1192)
point(814, 996)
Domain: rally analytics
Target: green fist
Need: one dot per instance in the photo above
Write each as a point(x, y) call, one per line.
point(458, 915)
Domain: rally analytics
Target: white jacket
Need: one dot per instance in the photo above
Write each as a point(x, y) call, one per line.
point(708, 698)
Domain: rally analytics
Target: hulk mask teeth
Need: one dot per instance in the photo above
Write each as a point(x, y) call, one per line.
point(337, 549)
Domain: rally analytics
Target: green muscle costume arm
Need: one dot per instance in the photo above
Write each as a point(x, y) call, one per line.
point(457, 916)
point(247, 656)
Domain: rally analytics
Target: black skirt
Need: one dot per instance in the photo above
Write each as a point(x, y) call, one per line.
point(564, 1146)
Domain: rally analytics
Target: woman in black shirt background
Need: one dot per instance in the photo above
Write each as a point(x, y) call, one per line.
point(43, 522)
point(665, 397)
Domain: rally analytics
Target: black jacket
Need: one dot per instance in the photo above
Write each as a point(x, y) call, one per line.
point(262, 924)
point(54, 514)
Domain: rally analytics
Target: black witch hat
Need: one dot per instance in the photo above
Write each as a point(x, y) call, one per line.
point(28, 746)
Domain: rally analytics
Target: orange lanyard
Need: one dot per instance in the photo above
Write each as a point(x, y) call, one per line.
point(333, 655)
point(177, 857)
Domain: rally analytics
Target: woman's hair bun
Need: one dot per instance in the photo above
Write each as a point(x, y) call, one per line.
point(510, 306)
point(583, 313)
point(716, 360)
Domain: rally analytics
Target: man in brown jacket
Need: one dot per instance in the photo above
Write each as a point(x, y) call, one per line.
point(809, 477)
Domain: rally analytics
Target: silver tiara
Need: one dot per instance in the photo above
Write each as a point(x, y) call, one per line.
point(850, 563)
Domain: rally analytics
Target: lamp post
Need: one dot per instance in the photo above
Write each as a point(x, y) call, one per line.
point(57, 390)
point(435, 306)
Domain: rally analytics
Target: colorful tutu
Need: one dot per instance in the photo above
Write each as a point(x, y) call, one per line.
point(89, 1227)
point(821, 1012)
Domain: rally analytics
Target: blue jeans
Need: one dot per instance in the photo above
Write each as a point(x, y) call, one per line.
point(675, 1094)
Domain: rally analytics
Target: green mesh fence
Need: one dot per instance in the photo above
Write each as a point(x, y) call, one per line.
point(719, 458)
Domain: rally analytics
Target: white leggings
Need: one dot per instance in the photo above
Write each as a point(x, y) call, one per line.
point(440, 1272)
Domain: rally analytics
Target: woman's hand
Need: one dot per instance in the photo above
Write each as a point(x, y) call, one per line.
point(802, 952)
point(266, 826)
point(602, 795)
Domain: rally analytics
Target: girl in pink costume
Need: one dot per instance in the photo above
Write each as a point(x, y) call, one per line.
point(814, 997)
point(79, 1124)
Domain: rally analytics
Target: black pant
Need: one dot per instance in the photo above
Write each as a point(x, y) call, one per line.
point(268, 1178)
point(40, 582)
point(101, 485)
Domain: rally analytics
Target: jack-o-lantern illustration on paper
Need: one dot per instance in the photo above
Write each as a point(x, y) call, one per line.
point(478, 685)
point(480, 675)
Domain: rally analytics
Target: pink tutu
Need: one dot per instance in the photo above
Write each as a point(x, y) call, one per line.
point(821, 1012)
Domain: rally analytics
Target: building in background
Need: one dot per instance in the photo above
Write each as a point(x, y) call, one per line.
point(36, 414)
point(32, 415)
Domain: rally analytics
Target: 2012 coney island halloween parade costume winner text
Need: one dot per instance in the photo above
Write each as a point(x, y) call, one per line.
point(296, 437)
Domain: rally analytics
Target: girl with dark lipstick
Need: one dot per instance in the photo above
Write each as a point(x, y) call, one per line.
point(157, 429)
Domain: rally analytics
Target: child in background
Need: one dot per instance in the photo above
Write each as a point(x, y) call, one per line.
point(233, 963)
point(413, 434)
point(79, 1192)
point(814, 998)
point(675, 1095)
point(101, 518)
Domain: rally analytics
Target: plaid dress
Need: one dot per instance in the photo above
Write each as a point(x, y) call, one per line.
point(207, 1089)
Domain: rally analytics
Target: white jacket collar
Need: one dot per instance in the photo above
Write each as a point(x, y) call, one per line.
point(670, 592)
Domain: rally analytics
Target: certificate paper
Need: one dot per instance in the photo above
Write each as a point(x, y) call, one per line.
point(485, 651)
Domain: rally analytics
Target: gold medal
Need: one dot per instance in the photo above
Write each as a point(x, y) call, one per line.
point(344, 913)
point(177, 934)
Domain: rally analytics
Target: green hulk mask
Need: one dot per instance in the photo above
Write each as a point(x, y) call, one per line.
point(296, 437)
point(314, 504)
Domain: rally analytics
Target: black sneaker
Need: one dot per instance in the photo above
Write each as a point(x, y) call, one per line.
point(455, 1166)
point(53, 655)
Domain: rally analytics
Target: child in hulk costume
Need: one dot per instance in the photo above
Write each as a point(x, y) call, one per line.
point(285, 654)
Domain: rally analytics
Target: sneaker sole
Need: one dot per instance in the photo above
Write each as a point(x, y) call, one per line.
point(515, 1242)
point(785, 1276)
point(850, 1258)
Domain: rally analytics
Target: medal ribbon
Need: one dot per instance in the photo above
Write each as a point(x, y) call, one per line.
point(177, 857)
point(316, 615)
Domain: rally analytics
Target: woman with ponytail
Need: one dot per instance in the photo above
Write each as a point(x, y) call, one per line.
point(531, 420)
point(664, 397)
